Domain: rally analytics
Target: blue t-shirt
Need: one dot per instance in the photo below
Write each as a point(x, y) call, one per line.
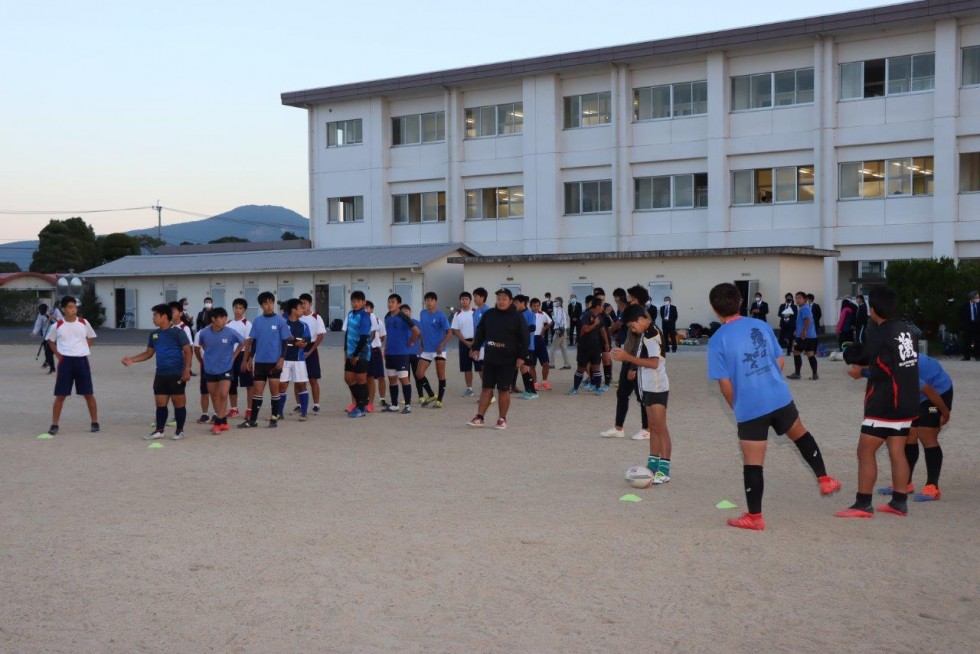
point(268, 333)
point(434, 325)
point(168, 344)
point(932, 373)
point(529, 319)
point(478, 314)
point(811, 330)
point(745, 351)
point(358, 325)
point(298, 329)
point(218, 349)
point(399, 329)
point(418, 344)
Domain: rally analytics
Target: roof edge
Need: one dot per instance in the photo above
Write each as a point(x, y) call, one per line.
point(794, 251)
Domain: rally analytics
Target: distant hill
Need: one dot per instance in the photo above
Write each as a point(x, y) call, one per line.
point(256, 223)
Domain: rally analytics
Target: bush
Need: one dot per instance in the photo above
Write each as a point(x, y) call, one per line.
point(18, 307)
point(91, 309)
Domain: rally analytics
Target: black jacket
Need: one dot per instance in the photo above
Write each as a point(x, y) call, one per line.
point(668, 315)
point(893, 384)
point(504, 335)
point(965, 315)
point(574, 310)
point(790, 321)
point(861, 316)
point(759, 310)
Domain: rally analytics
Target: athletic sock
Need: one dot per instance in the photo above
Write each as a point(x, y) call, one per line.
point(653, 463)
point(427, 386)
point(304, 402)
point(754, 484)
point(862, 500)
point(811, 454)
point(577, 379)
point(362, 394)
point(813, 364)
point(899, 498)
point(419, 387)
point(162, 413)
point(644, 420)
point(596, 380)
point(607, 373)
point(664, 466)
point(256, 407)
point(282, 404)
point(181, 416)
point(407, 392)
point(934, 464)
point(393, 390)
point(528, 382)
point(442, 389)
point(798, 362)
point(912, 456)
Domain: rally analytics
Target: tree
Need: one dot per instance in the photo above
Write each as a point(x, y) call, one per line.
point(927, 291)
point(291, 236)
point(66, 245)
point(149, 243)
point(116, 246)
point(90, 308)
point(9, 266)
point(229, 239)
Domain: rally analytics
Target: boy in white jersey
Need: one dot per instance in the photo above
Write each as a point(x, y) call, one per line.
point(71, 339)
point(462, 326)
point(318, 329)
point(376, 366)
point(539, 345)
point(239, 378)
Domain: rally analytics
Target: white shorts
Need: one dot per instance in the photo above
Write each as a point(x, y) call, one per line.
point(429, 356)
point(294, 371)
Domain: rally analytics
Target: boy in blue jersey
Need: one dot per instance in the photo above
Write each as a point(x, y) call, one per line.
point(401, 341)
point(742, 357)
point(436, 332)
point(220, 345)
point(173, 352)
point(265, 357)
point(357, 353)
point(480, 307)
point(294, 365)
point(805, 338)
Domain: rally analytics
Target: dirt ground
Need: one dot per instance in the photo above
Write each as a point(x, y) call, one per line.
point(418, 534)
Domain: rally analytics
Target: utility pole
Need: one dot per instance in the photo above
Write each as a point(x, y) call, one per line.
point(158, 209)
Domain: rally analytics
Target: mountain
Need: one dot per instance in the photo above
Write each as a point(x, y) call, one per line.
point(254, 222)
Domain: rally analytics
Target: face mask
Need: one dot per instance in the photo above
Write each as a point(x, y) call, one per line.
point(666, 303)
point(186, 306)
point(207, 305)
point(758, 299)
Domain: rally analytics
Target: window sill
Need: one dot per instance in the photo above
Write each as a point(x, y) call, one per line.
point(589, 213)
point(669, 209)
point(493, 136)
point(426, 222)
point(887, 95)
point(575, 129)
point(490, 220)
point(772, 204)
point(772, 108)
point(639, 121)
point(415, 145)
point(345, 222)
point(345, 145)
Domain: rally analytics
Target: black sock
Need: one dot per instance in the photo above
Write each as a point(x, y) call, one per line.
point(181, 416)
point(407, 392)
point(912, 456)
point(596, 379)
point(161, 417)
point(607, 373)
point(393, 389)
point(934, 464)
point(899, 498)
point(862, 500)
point(256, 407)
point(419, 387)
point(752, 475)
point(798, 363)
point(811, 454)
point(427, 386)
point(528, 382)
point(577, 379)
point(362, 394)
point(442, 388)
point(813, 364)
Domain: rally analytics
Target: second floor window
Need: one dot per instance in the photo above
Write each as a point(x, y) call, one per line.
point(971, 66)
point(588, 197)
point(491, 203)
point(345, 210)
point(344, 132)
point(780, 89)
point(418, 128)
point(671, 192)
point(495, 120)
point(670, 101)
point(892, 76)
point(785, 184)
point(429, 207)
point(588, 110)
point(886, 178)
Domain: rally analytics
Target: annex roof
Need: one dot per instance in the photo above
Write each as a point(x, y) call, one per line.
point(366, 258)
point(793, 251)
point(876, 18)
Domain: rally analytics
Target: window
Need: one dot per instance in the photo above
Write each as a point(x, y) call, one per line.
point(344, 132)
point(588, 110)
point(345, 210)
point(970, 172)
point(588, 197)
point(971, 66)
point(427, 207)
point(892, 76)
point(783, 185)
point(491, 203)
point(670, 101)
point(780, 89)
point(418, 128)
point(671, 192)
point(495, 120)
point(893, 177)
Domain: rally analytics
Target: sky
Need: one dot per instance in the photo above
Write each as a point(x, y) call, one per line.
point(113, 105)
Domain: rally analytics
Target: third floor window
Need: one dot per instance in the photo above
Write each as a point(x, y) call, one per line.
point(779, 89)
point(892, 76)
point(418, 128)
point(588, 110)
point(495, 120)
point(670, 101)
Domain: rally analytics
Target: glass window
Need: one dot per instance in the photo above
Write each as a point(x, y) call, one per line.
point(785, 184)
point(971, 66)
point(740, 93)
point(345, 210)
point(922, 176)
point(434, 127)
point(969, 172)
point(683, 100)
point(874, 78)
point(573, 201)
point(399, 209)
point(683, 191)
point(405, 130)
point(651, 103)
point(699, 97)
point(701, 190)
point(587, 110)
point(872, 179)
point(588, 197)
point(760, 91)
point(660, 192)
point(924, 72)
point(899, 75)
point(343, 132)
point(850, 180)
point(590, 109)
point(785, 83)
point(510, 118)
point(516, 195)
point(572, 112)
point(804, 85)
point(419, 207)
point(852, 80)
point(899, 176)
point(742, 192)
point(433, 207)
point(763, 186)
point(473, 207)
point(805, 187)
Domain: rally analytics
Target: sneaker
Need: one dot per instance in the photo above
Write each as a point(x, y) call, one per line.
point(574, 391)
point(383, 403)
point(204, 419)
point(178, 435)
point(248, 424)
point(152, 436)
point(612, 433)
point(528, 396)
point(586, 386)
point(660, 477)
point(95, 428)
point(565, 368)
point(387, 408)
point(248, 413)
point(814, 377)
point(597, 392)
point(316, 409)
point(435, 404)
point(225, 426)
point(501, 423)
point(297, 409)
point(887, 490)
point(350, 408)
point(546, 385)
point(303, 418)
point(828, 485)
point(604, 388)
point(423, 401)
point(930, 493)
point(407, 409)
point(642, 435)
point(795, 375)
point(752, 521)
point(537, 386)
point(53, 430)
point(468, 392)
point(356, 413)
point(476, 421)
point(856, 512)
point(370, 408)
point(900, 509)
point(232, 414)
point(216, 430)
point(273, 423)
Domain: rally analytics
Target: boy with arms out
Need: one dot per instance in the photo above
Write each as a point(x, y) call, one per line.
point(265, 357)
point(436, 332)
point(357, 350)
point(746, 360)
point(220, 346)
point(173, 353)
point(294, 363)
point(401, 341)
point(71, 340)
point(805, 337)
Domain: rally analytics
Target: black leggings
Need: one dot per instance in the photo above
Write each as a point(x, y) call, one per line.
point(626, 389)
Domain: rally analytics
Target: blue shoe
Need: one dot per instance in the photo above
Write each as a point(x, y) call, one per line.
point(605, 387)
point(529, 396)
point(597, 392)
point(586, 386)
point(574, 391)
point(356, 413)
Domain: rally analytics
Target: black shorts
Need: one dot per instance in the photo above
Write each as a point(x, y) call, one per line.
point(465, 362)
point(929, 414)
point(168, 385)
point(313, 364)
point(376, 366)
point(73, 371)
point(650, 399)
point(498, 375)
point(396, 363)
point(209, 378)
point(805, 345)
point(239, 377)
point(359, 368)
point(586, 356)
point(757, 429)
point(264, 371)
point(541, 350)
point(885, 432)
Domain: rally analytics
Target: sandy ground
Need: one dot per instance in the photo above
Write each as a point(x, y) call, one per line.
point(415, 533)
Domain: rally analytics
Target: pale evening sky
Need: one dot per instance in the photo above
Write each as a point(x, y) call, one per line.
point(119, 104)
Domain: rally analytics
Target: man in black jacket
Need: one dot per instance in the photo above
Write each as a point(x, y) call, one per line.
point(668, 319)
point(787, 322)
point(204, 315)
point(970, 319)
point(574, 316)
point(504, 336)
point(759, 308)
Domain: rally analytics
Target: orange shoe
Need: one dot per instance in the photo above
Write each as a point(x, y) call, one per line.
point(930, 493)
point(537, 386)
point(350, 408)
point(901, 511)
point(856, 512)
point(216, 430)
point(225, 426)
point(546, 386)
point(370, 408)
point(752, 521)
point(828, 485)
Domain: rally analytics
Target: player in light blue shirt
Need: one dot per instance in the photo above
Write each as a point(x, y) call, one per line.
point(265, 357)
point(805, 338)
point(220, 345)
point(936, 397)
point(436, 332)
point(357, 350)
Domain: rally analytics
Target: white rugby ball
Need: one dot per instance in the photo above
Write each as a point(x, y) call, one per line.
point(639, 477)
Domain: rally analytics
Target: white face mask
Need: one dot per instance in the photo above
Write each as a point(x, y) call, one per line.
point(758, 299)
point(666, 303)
point(207, 305)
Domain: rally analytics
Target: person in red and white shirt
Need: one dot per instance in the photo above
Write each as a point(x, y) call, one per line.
point(71, 339)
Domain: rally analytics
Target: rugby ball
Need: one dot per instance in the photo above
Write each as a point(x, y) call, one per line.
point(639, 477)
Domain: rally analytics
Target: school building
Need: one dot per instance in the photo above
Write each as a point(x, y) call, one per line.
point(797, 155)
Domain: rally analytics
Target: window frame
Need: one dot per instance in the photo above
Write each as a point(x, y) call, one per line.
point(415, 206)
point(358, 209)
point(671, 100)
point(757, 185)
point(360, 132)
point(750, 92)
point(419, 128)
point(890, 63)
point(500, 126)
point(578, 102)
point(698, 184)
point(580, 194)
point(963, 66)
point(887, 178)
point(481, 193)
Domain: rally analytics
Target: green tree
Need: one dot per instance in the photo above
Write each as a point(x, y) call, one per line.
point(66, 245)
point(91, 309)
point(927, 291)
point(291, 236)
point(116, 246)
point(229, 239)
point(9, 266)
point(151, 243)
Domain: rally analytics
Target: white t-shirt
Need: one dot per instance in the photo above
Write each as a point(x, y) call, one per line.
point(652, 380)
point(71, 338)
point(560, 318)
point(463, 321)
point(540, 320)
point(315, 323)
point(243, 327)
point(377, 330)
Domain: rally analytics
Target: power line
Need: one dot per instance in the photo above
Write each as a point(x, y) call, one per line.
point(35, 212)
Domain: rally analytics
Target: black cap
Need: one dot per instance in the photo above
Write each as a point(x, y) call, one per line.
point(504, 291)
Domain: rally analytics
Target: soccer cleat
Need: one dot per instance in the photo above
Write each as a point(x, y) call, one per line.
point(642, 435)
point(546, 385)
point(232, 414)
point(225, 426)
point(387, 408)
point(828, 485)
point(53, 430)
point(350, 408)
point(537, 386)
point(887, 490)
point(900, 509)
point(303, 418)
point(297, 409)
point(204, 419)
point(95, 428)
point(604, 388)
point(468, 392)
point(383, 403)
point(214, 420)
point(475, 421)
point(273, 423)
point(930, 493)
point(528, 396)
point(216, 430)
point(574, 391)
point(248, 424)
point(566, 368)
point(370, 408)
point(856, 512)
point(316, 409)
point(751, 521)
point(178, 435)
point(598, 392)
point(407, 409)
point(815, 377)
point(435, 404)
point(152, 436)
point(501, 423)
point(280, 417)
point(586, 386)
point(612, 433)
point(660, 477)
point(356, 413)
point(423, 401)
point(795, 375)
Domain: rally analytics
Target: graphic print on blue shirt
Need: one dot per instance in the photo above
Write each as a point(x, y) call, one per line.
point(932, 373)
point(268, 333)
point(218, 349)
point(745, 351)
point(399, 328)
point(358, 325)
point(298, 329)
point(434, 325)
point(811, 330)
point(168, 344)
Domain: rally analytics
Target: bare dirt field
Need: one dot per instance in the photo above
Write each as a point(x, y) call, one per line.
point(418, 534)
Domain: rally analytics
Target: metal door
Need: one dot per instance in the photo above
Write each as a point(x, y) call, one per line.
point(404, 290)
point(336, 303)
point(251, 294)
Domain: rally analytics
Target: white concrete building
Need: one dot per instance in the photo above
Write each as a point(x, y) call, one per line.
point(855, 133)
